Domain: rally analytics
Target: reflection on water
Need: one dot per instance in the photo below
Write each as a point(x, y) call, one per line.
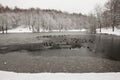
point(63, 52)
point(108, 46)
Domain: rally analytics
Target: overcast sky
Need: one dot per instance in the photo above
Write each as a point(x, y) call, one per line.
point(83, 6)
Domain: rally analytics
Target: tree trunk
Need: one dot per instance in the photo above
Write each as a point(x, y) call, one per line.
point(2, 30)
point(113, 28)
point(38, 30)
point(113, 25)
point(29, 27)
point(32, 29)
point(100, 26)
point(100, 29)
point(6, 29)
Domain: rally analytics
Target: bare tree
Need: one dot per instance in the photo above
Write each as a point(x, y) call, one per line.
point(37, 19)
point(114, 7)
point(98, 11)
point(4, 23)
point(106, 18)
point(92, 23)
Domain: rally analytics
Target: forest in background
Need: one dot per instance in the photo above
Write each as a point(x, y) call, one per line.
point(50, 19)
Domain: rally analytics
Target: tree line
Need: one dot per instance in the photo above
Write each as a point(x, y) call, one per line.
point(109, 15)
point(45, 19)
point(37, 19)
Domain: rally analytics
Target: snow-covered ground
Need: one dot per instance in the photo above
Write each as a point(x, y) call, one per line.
point(109, 31)
point(58, 76)
point(24, 29)
point(20, 29)
point(74, 30)
point(82, 30)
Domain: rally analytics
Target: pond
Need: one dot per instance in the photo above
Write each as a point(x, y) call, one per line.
point(97, 53)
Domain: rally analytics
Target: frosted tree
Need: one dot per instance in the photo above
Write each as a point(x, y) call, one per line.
point(98, 11)
point(38, 20)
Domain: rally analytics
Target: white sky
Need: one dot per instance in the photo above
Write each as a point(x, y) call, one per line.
point(83, 6)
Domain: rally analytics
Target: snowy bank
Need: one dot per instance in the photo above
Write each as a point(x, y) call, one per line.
point(109, 31)
point(24, 29)
point(58, 76)
point(20, 29)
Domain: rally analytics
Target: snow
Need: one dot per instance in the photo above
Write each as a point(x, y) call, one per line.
point(109, 31)
point(20, 29)
point(82, 30)
point(73, 30)
point(24, 29)
point(58, 76)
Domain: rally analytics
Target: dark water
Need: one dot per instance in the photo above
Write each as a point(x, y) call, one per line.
point(104, 46)
point(108, 46)
point(98, 53)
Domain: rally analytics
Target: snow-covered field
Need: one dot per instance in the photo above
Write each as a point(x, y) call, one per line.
point(23, 29)
point(20, 29)
point(109, 31)
point(58, 76)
